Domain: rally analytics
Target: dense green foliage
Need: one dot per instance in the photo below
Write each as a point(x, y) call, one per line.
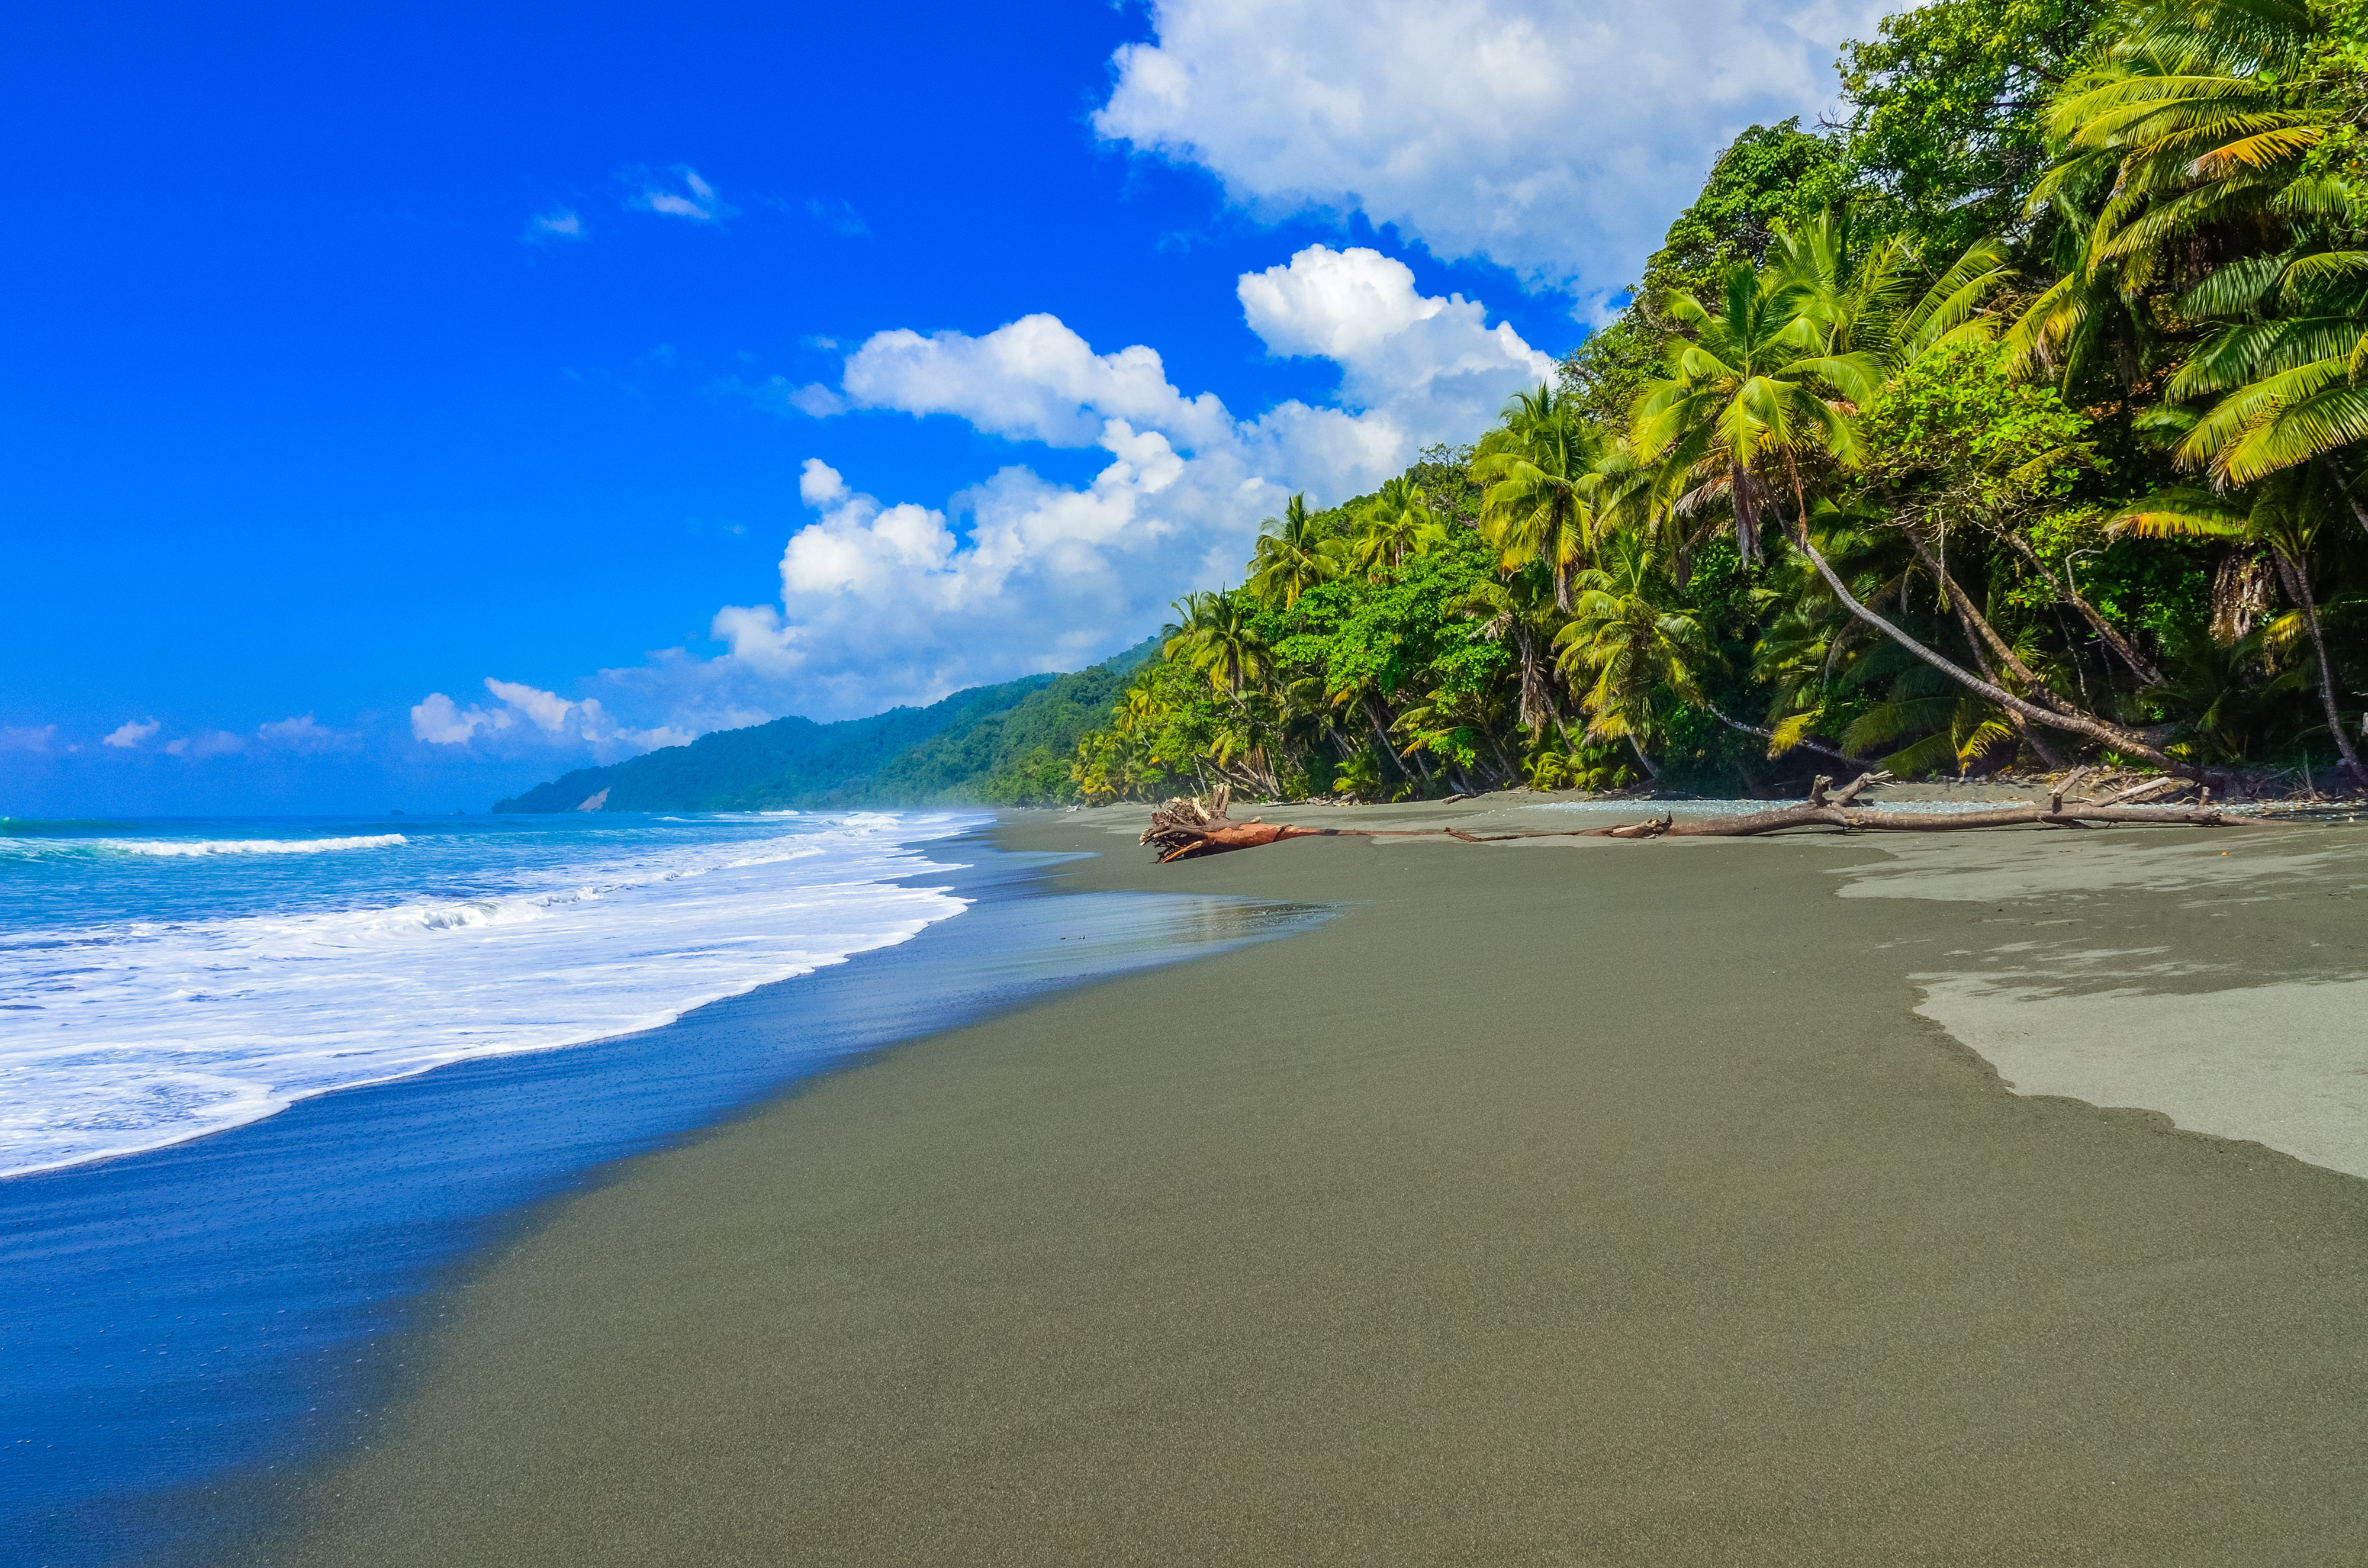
point(1006, 744)
point(2018, 417)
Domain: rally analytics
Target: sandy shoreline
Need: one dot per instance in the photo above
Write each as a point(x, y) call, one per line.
point(1564, 1202)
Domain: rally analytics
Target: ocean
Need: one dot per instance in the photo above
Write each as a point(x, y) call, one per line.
point(270, 1083)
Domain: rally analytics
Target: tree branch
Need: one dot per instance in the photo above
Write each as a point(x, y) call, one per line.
point(1769, 735)
point(2082, 723)
point(2065, 594)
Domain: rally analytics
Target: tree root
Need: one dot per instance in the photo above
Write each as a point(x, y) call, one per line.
point(1185, 829)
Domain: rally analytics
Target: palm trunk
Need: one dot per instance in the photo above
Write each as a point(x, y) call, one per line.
point(1535, 702)
point(1770, 737)
point(2016, 722)
point(2297, 581)
point(1746, 516)
point(1650, 771)
point(1512, 768)
point(2081, 723)
point(1373, 716)
point(1978, 630)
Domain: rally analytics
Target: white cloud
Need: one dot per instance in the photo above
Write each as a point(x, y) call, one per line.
point(1554, 136)
point(440, 721)
point(695, 199)
point(26, 737)
point(302, 734)
point(1426, 363)
point(779, 394)
point(840, 218)
point(206, 743)
point(819, 484)
point(128, 735)
point(527, 717)
point(885, 602)
point(1033, 380)
point(548, 710)
point(556, 223)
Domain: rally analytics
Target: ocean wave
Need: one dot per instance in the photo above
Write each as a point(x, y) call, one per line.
point(128, 1034)
point(252, 845)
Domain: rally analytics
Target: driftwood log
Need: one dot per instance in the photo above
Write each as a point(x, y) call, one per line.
point(1186, 829)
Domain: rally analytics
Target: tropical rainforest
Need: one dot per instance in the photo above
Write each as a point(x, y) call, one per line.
point(2014, 418)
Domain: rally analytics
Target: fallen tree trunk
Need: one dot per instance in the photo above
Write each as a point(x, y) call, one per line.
point(1840, 809)
point(1185, 829)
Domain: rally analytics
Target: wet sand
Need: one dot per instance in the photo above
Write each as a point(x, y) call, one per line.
point(1564, 1202)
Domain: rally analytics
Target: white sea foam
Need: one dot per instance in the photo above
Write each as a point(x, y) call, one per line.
point(253, 845)
point(136, 1034)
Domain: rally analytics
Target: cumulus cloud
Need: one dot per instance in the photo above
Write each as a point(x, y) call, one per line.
point(530, 718)
point(1033, 380)
point(128, 735)
point(26, 737)
point(1427, 363)
point(1553, 137)
point(687, 196)
point(885, 601)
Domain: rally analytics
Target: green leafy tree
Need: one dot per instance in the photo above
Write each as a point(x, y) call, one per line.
point(1945, 131)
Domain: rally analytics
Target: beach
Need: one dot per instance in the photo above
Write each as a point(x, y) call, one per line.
point(1559, 1201)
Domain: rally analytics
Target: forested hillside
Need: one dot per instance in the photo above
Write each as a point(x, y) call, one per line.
point(1006, 744)
point(2018, 419)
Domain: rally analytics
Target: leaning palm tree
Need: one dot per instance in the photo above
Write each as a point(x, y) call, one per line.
point(1292, 556)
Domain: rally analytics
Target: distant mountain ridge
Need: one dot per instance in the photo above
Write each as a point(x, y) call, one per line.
point(1006, 744)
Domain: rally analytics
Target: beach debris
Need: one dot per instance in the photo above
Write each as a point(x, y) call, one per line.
point(1189, 826)
point(1840, 808)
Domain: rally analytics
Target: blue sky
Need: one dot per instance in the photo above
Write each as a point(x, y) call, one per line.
point(405, 406)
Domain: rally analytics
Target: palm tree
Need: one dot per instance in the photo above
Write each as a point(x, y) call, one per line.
point(1628, 640)
point(1755, 382)
point(1509, 610)
point(1214, 635)
point(2188, 136)
point(2198, 116)
point(2289, 369)
point(1397, 523)
point(1535, 473)
point(1291, 557)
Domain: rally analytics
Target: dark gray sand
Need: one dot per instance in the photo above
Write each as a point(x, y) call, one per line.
point(1582, 1202)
